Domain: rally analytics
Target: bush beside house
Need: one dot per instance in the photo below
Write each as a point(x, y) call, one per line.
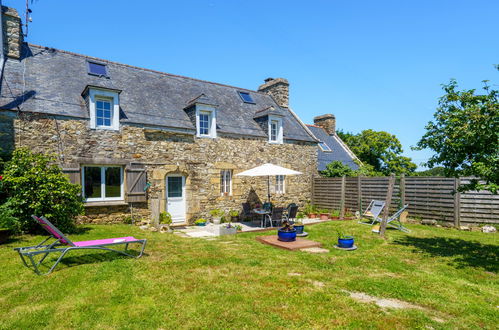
point(33, 184)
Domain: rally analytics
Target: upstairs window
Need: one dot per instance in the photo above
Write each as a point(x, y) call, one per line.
point(246, 97)
point(97, 69)
point(275, 130)
point(104, 109)
point(103, 113)
point(206, 121)
point(226, 182)
point(324, 146)
point(279, 184)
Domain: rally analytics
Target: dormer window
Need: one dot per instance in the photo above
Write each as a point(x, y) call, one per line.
point(97, 69)
point(103, 107)
point(275, 130)
point(206, 121)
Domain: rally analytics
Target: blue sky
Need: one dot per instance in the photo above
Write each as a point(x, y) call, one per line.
point(373, 64)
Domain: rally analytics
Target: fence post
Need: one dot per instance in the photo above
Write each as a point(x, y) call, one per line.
point(359, 193)
point(388, 201)
point(342, 197)
point(312, 199)
point(457, 203)
point(402, 189)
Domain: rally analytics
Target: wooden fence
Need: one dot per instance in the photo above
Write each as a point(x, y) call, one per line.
point(428, 197)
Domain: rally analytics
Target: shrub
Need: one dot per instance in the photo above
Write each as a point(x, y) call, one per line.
point(34, 184)
point(165, 218)
point(7, 218)
point(200, 220)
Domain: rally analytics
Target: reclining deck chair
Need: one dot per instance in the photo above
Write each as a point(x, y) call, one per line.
point(67, 245)
point(394, 220)
point(373, 211)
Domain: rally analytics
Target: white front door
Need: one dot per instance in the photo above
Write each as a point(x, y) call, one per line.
point(175, 197)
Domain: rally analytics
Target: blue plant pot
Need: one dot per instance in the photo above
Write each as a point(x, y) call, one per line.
point(299, 228)
point(201, 224)
point(346, 242)
point(286, 236)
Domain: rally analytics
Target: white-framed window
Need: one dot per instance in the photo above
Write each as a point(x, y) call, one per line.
point(226, 182)
point(275, 130)
point(280, 184)
point(206, 121)
point(104, 108)
point(102, 183)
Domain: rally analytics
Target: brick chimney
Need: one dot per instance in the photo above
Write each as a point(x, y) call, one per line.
point(277, 88)
point(327, 122)
point(12, 32)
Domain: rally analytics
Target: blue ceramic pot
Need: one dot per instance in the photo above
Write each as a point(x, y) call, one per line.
point(201, 224)
point(299, 229)
point(345, 242)
point(286, 236)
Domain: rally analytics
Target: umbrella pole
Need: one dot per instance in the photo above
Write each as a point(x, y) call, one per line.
point(268, 187)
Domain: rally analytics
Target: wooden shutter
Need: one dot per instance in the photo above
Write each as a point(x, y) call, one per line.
point(136, 183)
point(73, 171)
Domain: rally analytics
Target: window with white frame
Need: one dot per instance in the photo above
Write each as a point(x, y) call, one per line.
point(279, 184)
point(275, 130)
point(104, 109)
point(206, 121)
point(102, 183)
point(226, 182)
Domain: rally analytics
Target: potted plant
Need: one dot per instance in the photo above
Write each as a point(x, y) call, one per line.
point(298, 225)
point(166, 219)
point(345, 241)
point(227, 229)
point(239, 228)
point(234, 215)
point(216, 216)
point(287, 233)
point(324, 214)
point(200, 222)
point(335, 215)
point(310, 210)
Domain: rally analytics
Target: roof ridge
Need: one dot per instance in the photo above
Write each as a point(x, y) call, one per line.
point(145, 69)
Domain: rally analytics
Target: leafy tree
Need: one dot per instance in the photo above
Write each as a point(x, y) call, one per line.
point(381, 150)
point(465, 136)
point(436, 171)
point(338, 169)
point(36, 185)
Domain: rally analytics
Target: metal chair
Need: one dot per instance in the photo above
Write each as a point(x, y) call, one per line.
point(275, 216)
point(373, 211)
point(247, 212)
point(291, 213)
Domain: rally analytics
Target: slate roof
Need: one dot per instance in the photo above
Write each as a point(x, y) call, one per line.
point(54, 81)
point(339, 151)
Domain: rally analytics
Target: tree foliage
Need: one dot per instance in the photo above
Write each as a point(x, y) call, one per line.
point(465, 136)
point(382, 150)
point(338, 169)
point(34, 184)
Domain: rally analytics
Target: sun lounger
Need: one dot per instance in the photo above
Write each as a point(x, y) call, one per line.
point(373, 211)
point(63, 245)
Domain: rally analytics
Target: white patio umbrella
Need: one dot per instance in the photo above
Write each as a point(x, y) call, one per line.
point(268, 170)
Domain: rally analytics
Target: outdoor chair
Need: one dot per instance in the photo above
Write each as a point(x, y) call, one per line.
point(247, 212)
point(394, 220)
point(291, 213)
point(276, 216)
point(267, 206)
point(373, 211)
point(63, 245)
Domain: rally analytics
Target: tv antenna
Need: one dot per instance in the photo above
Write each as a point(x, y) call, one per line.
point(28, 18)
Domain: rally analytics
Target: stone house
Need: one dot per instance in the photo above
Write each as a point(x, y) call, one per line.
point(330, 146)
point(143, 141)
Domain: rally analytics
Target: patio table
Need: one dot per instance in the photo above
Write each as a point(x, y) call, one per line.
point(263, 213)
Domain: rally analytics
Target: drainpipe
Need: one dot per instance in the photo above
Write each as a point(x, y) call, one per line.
point(2, 52)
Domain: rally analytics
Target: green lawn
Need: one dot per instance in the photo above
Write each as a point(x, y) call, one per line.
point(237, 282)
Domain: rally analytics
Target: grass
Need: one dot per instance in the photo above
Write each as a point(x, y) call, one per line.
point(237, 282)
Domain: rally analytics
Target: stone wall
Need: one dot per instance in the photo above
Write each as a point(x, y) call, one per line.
point(163, 153)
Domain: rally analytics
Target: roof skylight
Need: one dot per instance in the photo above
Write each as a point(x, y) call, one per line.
point(97, 69)
point(246, 97)
point(324, 146)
